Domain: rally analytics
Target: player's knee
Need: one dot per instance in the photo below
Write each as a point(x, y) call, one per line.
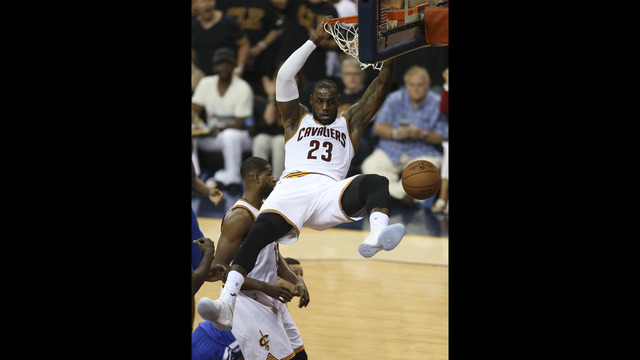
point(264, 227)
point(374, 181)
point(272, 224)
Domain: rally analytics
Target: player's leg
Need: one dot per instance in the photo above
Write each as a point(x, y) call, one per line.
point(371, 192)
point(295, 339)
point(301, 355)
point(268, 228)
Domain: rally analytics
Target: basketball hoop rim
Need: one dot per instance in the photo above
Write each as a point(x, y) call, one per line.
point(348, 42)
point(346, 19)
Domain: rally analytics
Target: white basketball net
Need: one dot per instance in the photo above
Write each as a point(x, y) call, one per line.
point(346, 36)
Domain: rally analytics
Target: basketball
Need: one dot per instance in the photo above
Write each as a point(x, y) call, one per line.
point(421, 179)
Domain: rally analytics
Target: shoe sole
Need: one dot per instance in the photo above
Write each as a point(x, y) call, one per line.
point(388, 239)
point(368, 251)
point(207, 310)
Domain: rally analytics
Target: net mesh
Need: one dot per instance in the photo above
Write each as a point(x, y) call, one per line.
point(346, 36)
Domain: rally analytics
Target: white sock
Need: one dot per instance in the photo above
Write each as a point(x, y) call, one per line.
point(378, 220)
point(232, 287)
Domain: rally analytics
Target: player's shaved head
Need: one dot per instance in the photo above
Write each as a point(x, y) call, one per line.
point(324, 83)
point(252, 166)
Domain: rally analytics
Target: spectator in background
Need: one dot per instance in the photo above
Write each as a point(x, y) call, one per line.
point(442, 204)
point(410, 126)
point(444, 95)
point(258, 19)
point(352, 79)
point(434, 59)
point(211, 30)
point(272, 51)
point(227, 101)
point(196, 75)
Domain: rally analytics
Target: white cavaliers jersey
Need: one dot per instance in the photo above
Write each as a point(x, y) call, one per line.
point(318, 148)
point(266, 264)
point(262, 325)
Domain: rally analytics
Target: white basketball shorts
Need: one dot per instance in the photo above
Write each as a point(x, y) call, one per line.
point(311, 200)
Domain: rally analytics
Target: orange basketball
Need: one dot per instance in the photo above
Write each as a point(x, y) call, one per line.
point(421, 179)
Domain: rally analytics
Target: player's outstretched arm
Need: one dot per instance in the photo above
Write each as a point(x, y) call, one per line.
point(287, 96)
point(361, 113)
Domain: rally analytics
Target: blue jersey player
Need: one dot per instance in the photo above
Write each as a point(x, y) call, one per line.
point(207, 342)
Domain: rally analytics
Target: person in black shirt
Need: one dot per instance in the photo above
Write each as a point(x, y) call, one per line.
point(210, 31)
point(259, 20)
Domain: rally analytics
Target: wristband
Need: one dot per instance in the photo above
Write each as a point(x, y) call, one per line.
point(262, 44)
point(314, 40)
point(239, 69)
point(394, 134)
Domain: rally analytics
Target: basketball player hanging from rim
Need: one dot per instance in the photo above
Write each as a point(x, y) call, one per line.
point(312, 190)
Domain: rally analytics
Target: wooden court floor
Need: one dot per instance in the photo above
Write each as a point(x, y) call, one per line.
point(391, 306)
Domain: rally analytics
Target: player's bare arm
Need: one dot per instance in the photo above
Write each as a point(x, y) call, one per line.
point(285, 272)
point(235, 227)
point(198, 275)
point(275, 290)
point(291, 113)
point(361, 113)
point(291, 110)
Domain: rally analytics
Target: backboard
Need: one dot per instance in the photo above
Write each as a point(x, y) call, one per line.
point(388, 28)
